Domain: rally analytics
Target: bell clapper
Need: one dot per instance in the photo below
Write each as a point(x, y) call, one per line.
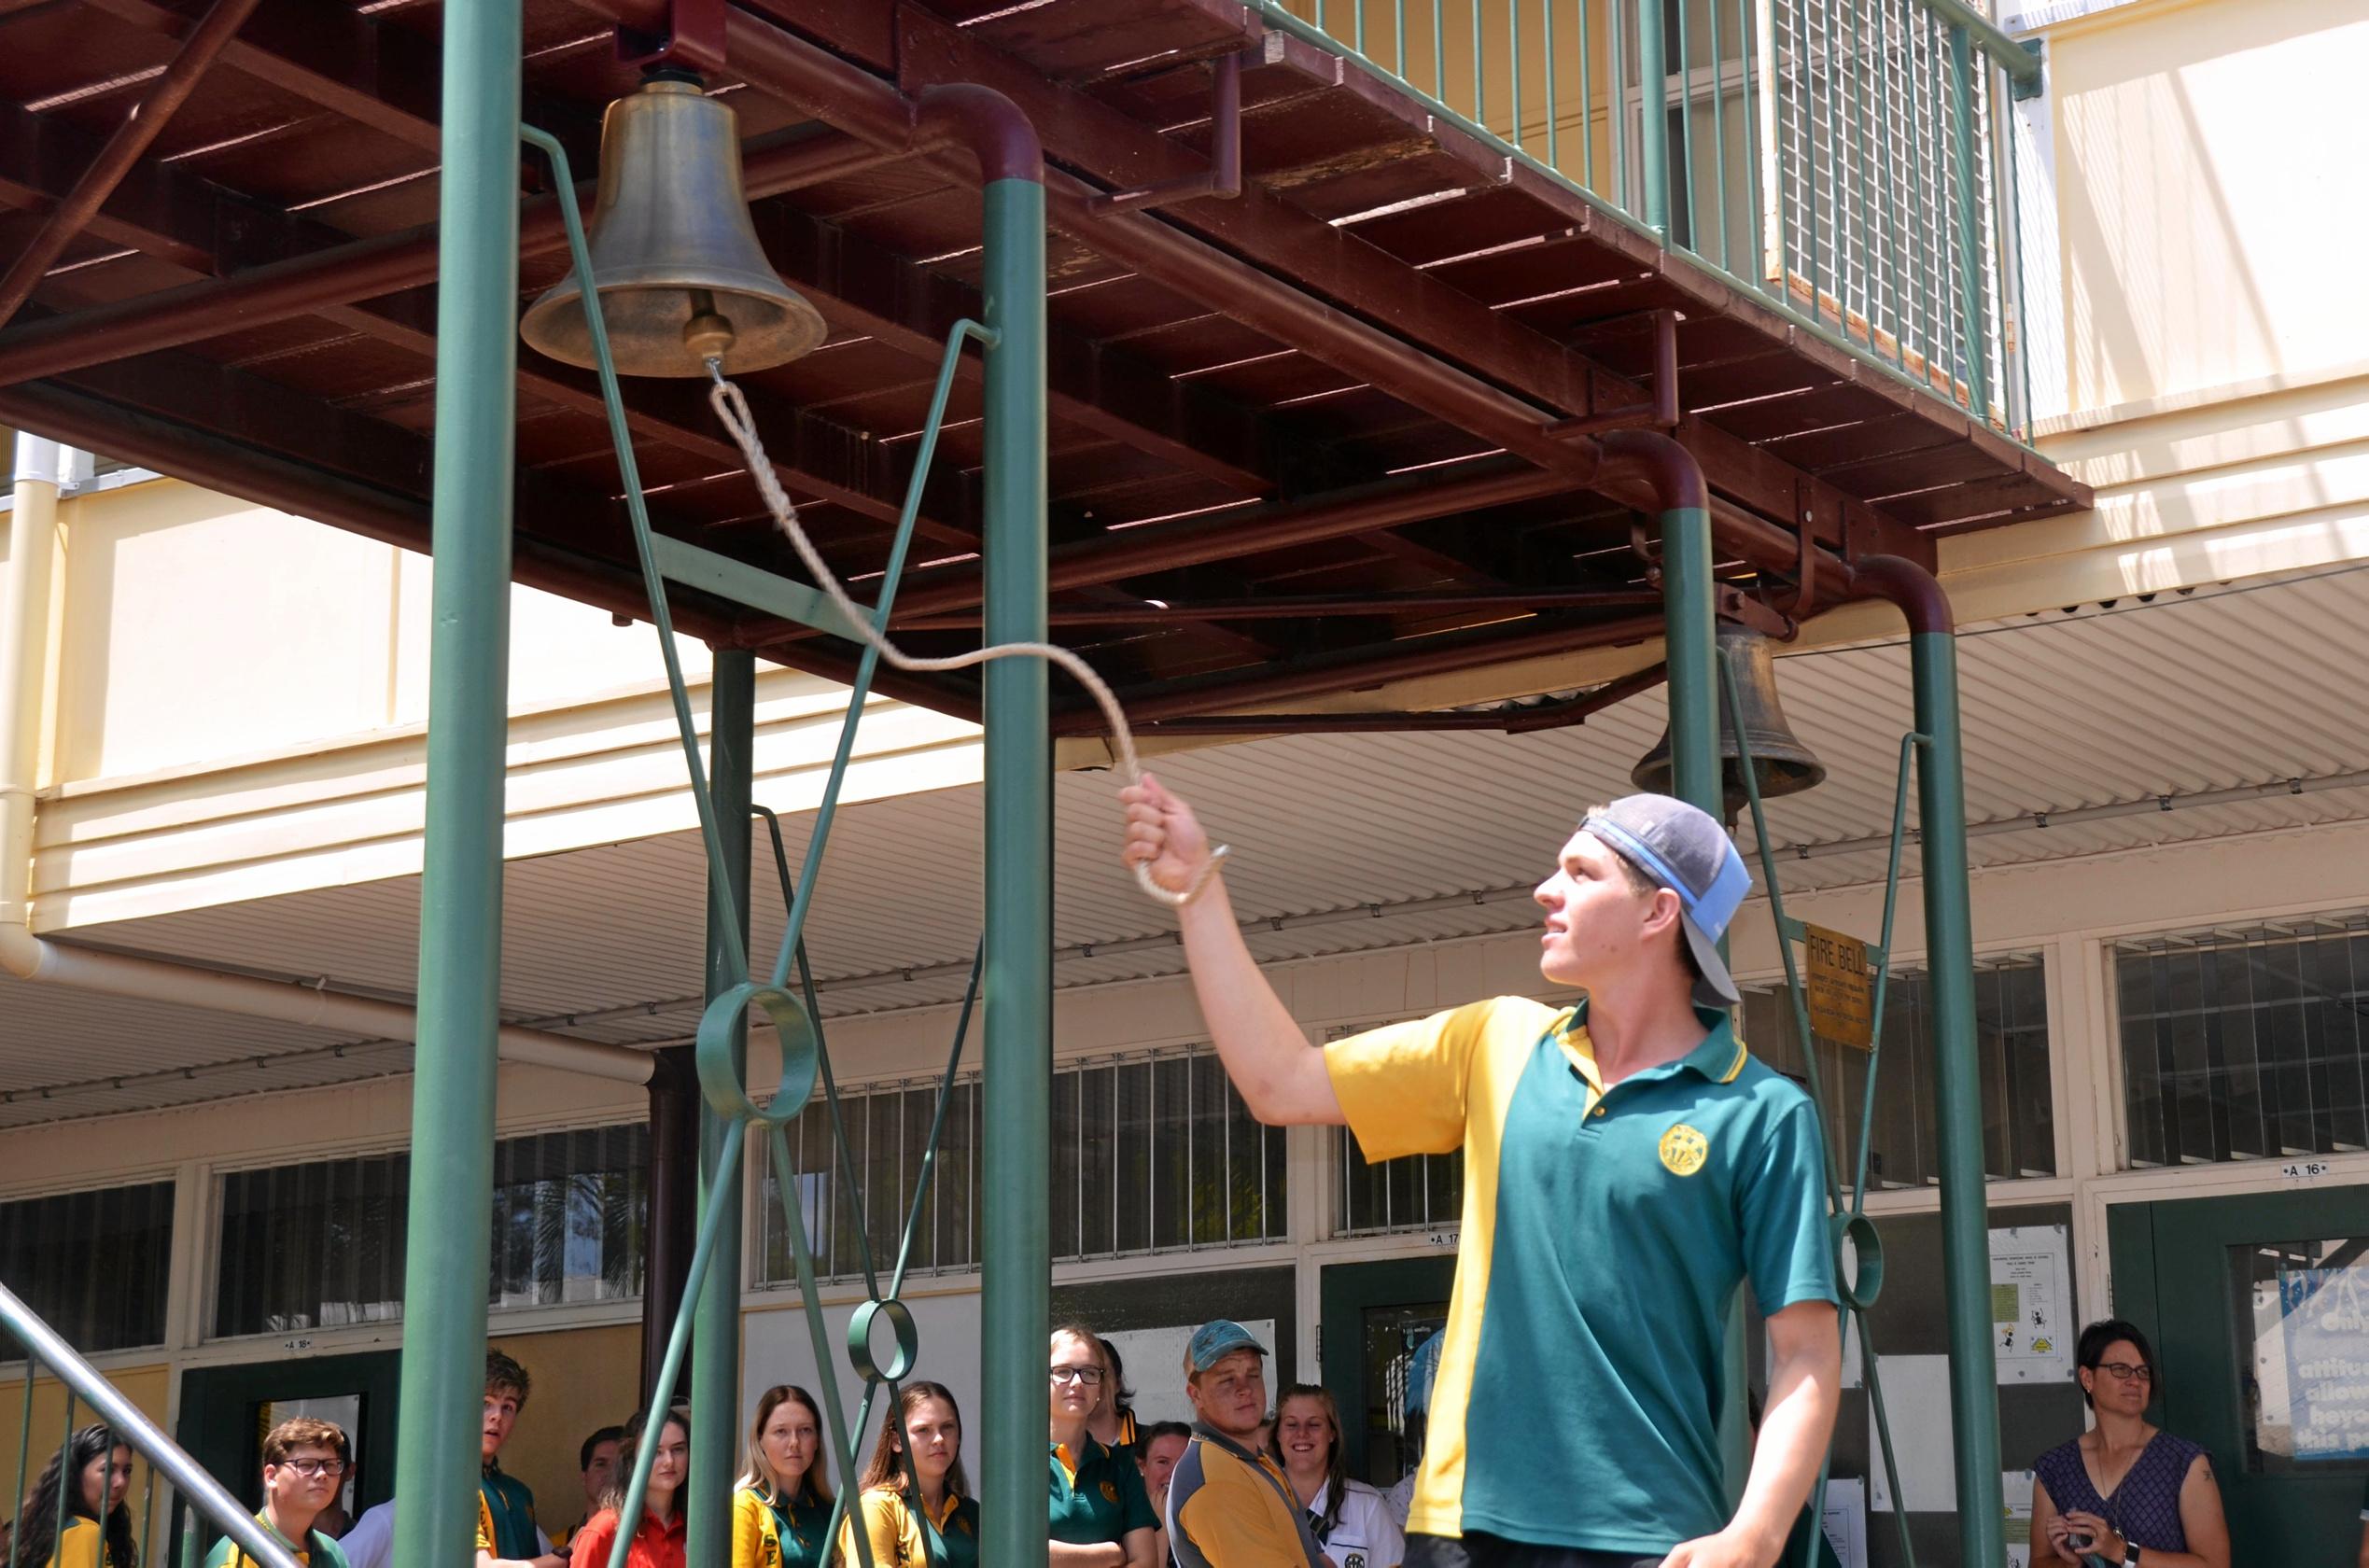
point(708, 334)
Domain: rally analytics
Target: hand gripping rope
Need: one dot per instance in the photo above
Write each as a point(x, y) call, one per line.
point(732, 409)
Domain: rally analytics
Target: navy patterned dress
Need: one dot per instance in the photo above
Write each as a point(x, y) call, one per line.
point(2145, 1506)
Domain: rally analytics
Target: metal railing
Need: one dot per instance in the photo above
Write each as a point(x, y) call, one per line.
point(45, 1350)
point(1849, 161)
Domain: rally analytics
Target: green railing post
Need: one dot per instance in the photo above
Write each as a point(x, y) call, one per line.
point(1653, 145)
point(1957, 1091)
point(1691, 644)
point(1970, 227)
point(1019, 983)
point(448, 1237)
point(715, 1346)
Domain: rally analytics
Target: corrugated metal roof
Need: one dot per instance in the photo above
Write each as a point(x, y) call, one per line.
point(2175, 696)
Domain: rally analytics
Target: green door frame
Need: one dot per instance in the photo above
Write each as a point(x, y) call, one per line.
point(1345, 1291)
point(217, 1402)
point(2171, 1278)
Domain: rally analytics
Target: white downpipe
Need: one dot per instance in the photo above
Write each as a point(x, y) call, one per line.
point(24, 620)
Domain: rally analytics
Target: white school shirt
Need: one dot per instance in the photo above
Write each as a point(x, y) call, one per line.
point(1366, 1535)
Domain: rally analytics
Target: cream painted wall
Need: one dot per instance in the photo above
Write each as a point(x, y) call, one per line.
point(2206, 155)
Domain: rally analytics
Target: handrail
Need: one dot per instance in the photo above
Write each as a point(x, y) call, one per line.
point(2015, 58)
point(44, 1348)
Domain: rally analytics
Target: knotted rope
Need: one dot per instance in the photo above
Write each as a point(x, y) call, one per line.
point(732, 409)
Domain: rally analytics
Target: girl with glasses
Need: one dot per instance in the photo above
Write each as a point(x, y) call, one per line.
point(2125, 1492)
point(1100, 1516)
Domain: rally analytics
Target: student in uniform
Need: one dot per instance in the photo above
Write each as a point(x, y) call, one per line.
point(1627, 1166)
point(99, 1465)
point(1350, 1518)
point(1102, 1518)
point(304, 1464)
point(781, 1510)
point(1228, 1505)
point(1164, 1444)
point(658, 1539)
point(1114, 1420)
point(933, 1424)
point(507, 1536)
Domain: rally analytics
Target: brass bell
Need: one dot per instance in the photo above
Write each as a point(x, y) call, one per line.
point(680, 273)
point(1782, 764)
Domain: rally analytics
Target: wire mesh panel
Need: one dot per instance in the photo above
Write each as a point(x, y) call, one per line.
point(1841, 156)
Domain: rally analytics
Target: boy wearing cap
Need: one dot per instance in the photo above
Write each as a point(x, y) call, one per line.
point(1627, 1164)
point(1228, 1505)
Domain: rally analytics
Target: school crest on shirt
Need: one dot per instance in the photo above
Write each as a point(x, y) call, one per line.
point(1684, 1150)
point(1110, 1491)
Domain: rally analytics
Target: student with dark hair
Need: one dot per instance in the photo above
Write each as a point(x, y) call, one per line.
point(1349, 1520)
point(897, 1529)
point(506, 1536)
point(596, 1461)
point(781, 1510)
point(657, 1540)
point(2125, 1492)
point(1101, 1516)
point(1112, 1423)
point(304, 1463)
point(99, 1466)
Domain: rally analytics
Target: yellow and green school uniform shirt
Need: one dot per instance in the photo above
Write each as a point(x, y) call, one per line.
point(1098, 1496)
point(1228, 1508)
point(770, 1534)
point(81, 1544)
point(318, 1551)
point(506, 1517)
point(895, 1531)
point(1605, 1232)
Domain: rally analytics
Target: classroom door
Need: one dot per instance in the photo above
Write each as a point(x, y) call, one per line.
point(2258, 1308)
point(1376, 1318)
point(227, 1411)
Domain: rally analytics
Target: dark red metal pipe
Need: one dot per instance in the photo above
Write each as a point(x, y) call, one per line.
point(140, 126)
point(987, 123)
point(1917, 591)
point(1296, 607)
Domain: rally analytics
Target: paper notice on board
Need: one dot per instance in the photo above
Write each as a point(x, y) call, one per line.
point(2032, 1332)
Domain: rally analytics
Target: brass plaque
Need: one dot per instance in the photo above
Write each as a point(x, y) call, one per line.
point(1841, 987)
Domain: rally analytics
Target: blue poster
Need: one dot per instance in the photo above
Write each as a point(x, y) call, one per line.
point(2326, 1314)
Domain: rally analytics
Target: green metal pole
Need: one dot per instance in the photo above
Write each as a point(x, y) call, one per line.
point(1018, 988)
point(1653, 145)
point(715, 1346)
point(1957, 1094)
point(1970, 227)
point(452, 1186)
point(1690, 634)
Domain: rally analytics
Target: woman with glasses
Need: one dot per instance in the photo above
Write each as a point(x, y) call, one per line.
point(1101, 1516)
point(2125, 1492)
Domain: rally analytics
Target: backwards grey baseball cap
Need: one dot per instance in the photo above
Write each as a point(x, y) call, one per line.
point(1683, 849)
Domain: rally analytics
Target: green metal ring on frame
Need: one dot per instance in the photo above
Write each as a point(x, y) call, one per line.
point(1858, 1286)
point(719, 1030)
point(908, 1340)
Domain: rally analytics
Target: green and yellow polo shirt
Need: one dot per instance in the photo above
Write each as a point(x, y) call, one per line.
point(1098, 1496)
point(896, 1535)
point(770, 1534)
point(1605, 1232)
point(318, 1550)
point(506, 1516)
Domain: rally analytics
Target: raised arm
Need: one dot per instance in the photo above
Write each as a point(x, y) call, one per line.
point(1281, 1077)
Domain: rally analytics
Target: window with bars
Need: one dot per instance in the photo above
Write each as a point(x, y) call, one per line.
point(91, 1265)
point(1150, 1154)
point(2244, 1043)
point(321, 1244)
point(2011, 1036)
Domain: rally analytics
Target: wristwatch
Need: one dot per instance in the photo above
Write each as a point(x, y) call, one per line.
point(2130, 1553)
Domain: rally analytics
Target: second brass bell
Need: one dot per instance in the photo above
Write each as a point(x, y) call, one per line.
point(675, 257)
